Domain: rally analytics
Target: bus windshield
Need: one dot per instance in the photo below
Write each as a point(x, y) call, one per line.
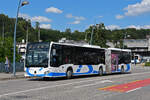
point(37, 54)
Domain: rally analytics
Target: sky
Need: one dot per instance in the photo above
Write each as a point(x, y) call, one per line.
point(80, 14)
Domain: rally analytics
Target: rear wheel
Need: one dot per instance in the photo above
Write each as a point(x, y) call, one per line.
point(69, 74)
point(100, 71)
point(122, 69)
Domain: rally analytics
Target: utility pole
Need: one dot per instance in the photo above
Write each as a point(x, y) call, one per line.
point(39, 34)
point(85, 36)
point(92, 34)
point(125, 36)
point(3, 33)
point(27, 34)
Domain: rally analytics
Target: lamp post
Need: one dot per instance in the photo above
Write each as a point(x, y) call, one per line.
point(3, 33)
point(14, 55)
point(93, 27)
point(125, 37)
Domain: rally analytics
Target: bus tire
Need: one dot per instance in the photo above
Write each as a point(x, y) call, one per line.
point(122, 69)
point(100, 73)
point(69, 74)
point(46, 78)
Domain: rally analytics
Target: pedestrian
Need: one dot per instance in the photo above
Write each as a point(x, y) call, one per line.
point(7, 65)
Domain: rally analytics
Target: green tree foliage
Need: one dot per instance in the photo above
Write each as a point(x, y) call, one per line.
point(6, 49)
point(99, 35)
point(78, 36)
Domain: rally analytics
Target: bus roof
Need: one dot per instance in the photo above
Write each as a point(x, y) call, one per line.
point(118, 49)
point(86, 46)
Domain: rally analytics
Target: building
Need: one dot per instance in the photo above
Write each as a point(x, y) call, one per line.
point(21, 49)
point(138, 46)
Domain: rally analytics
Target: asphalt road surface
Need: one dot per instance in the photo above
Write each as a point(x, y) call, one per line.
point(133, 86)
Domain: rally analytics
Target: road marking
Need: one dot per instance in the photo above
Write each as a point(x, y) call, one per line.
point(105, 81)
point(134, 90)
point(107, 87)
point(88, 80)
point(35, 89)
point(128, 87)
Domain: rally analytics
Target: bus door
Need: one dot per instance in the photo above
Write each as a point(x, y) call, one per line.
point(114, 62)
point(108, 60)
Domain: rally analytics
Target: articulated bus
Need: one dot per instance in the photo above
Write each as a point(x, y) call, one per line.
point(52, 59)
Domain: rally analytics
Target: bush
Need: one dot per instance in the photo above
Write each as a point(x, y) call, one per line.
point(147, 64)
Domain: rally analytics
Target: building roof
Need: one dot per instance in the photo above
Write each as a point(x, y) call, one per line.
point(136, 42)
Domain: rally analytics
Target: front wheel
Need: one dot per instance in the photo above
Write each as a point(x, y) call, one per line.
point(100, 71)
point(69, 74)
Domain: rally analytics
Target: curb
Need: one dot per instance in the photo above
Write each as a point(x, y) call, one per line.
point(12, 77)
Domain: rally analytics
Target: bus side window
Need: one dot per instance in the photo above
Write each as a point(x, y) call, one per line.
point(56, 55)
point(67, 54)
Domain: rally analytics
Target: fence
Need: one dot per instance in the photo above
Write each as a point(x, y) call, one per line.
point(19, 67)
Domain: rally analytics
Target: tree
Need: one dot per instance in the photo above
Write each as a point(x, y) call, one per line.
point(99, 35)
point(6, 49)
point(78, 36)
point(67, 33)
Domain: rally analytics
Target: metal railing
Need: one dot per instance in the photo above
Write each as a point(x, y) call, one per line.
point(19, 67)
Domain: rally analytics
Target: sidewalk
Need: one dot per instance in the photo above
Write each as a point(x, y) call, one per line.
point(10, 76)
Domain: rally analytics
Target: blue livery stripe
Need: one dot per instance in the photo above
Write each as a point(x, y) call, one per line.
point(42, 75)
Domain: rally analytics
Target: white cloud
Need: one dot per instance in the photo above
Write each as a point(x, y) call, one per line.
point(53, 10)
point(146, 27)
point(35, 18)
point(119, 16)
point(100, 16)
point(138, 8)
point(40, 19)
point(113, 27)
point(69, 16)
point(77, 19)
point(45, 26)
point(139, 27)
point(24, 16)
point(76, 22)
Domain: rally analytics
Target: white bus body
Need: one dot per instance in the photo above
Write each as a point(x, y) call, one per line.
point(67, 60)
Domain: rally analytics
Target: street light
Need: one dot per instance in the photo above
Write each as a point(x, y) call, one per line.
point(125, 37)
point(14, 56)
point(93, 27)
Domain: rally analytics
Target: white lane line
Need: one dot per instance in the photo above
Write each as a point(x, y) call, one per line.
point(35, 89)
point(134, 90)
point(100, 78)
point(105, 81)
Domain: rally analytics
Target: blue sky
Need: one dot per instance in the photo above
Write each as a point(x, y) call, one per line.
point(80, 14)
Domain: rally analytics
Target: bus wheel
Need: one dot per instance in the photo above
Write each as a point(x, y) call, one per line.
point(46, 78)
point(100, 71)
point(122, 69)
point(69, 74)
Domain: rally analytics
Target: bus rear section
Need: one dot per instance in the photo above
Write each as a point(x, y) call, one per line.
point(118, 60)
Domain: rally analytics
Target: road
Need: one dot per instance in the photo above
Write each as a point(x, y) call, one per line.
point(108, 87)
